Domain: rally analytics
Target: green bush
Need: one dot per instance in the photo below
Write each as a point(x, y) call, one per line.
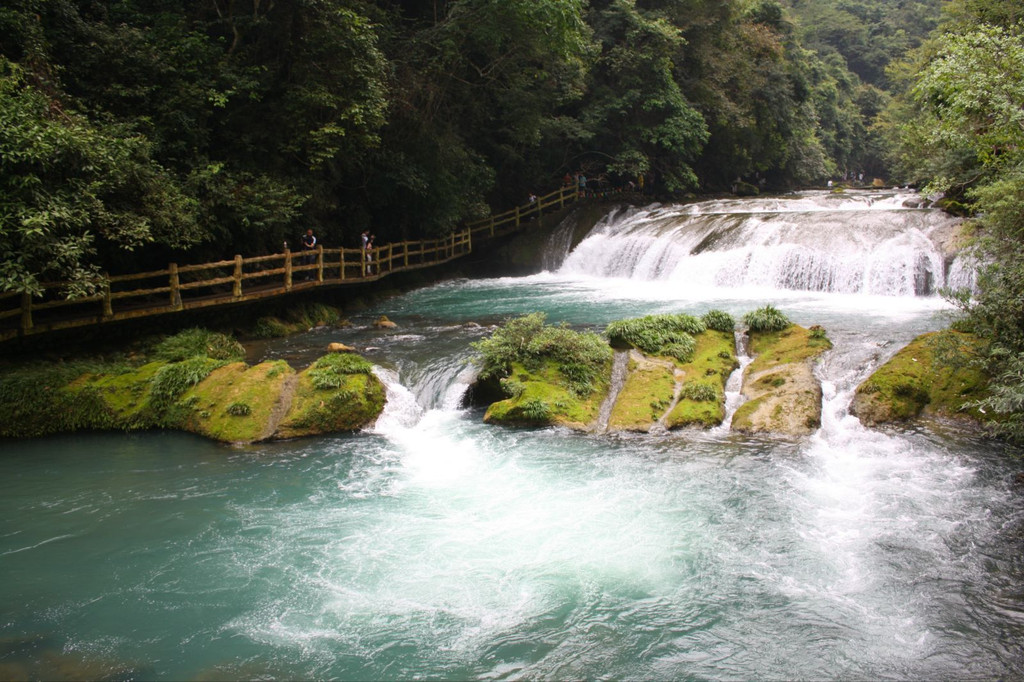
point(238, 409)
point(718, 320)
point(535, 410)
point(681, 348)
point(313, 314)
point(766, 319)
point(198, 342)
point(581, 357)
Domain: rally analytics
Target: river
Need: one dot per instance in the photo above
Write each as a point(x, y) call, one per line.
point(435, 546)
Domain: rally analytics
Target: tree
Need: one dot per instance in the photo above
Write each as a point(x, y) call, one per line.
point(76, 193)
point(961, 126)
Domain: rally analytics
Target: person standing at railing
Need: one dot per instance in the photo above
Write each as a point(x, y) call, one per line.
point(309, 251)
point(369, 254)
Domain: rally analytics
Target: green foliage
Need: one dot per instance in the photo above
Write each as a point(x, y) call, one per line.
point(270, 328)
point(535, 410)
point(699, 392)
point(173, 379)
point(198, 342)
point(329, 372)
point(766, 319)
point(64, 180)
point(238, 409)
point(958, 128)
point(581, 357)
point(718, 320)
point(669, 335)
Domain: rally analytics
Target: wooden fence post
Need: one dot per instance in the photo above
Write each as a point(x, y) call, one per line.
point(287, 269)
point(26, 312)
point(342, 259)
point(236, 290)
point(517, 216)
point(319, 263)
point(492, 225)
point(175, 287)
point(108, 308)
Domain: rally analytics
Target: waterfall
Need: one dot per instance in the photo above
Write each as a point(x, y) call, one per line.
point(851, 243)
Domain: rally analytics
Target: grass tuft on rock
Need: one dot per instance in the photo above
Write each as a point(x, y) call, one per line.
point(669, 335)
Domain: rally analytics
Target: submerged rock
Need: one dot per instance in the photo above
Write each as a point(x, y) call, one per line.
point(783, 395)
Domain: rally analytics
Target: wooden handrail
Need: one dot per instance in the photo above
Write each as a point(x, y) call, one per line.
point(227, 281)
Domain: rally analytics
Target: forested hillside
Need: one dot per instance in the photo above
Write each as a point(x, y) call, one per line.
point(139, 131)
point(956, 127)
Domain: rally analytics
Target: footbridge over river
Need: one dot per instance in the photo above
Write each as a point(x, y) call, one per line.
point(228, 282)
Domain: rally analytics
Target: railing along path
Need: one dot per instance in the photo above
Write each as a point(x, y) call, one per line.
point(189, 287)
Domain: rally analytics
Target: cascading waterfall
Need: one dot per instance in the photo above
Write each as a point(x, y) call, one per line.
point(433, 545)
point(870, 244)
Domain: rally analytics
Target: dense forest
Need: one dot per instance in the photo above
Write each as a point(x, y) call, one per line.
point(133, 132)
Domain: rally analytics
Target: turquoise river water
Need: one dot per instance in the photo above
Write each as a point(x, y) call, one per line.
point(433, 546)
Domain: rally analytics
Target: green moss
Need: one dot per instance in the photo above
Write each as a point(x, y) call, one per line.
point(542, 398)
point(793, 344)
point(574, 366)
point(912, 383)
point(235, 402)
point(646, 394)
point(126, 395)
point(713, 362)
point(356, 401)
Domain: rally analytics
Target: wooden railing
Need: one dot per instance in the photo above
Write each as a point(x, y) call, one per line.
point(189, 287)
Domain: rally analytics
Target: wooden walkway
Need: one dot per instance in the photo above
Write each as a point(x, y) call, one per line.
point(190, 287)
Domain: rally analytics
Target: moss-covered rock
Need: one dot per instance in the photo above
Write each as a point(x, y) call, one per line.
point(783, 395)
point(647, 393)
point(335, 393)
point(548, 374)
point(296, 320)
point(223, 400)
point(913, 384)
point(702, 393)
point(540, 397)
point(237, 403)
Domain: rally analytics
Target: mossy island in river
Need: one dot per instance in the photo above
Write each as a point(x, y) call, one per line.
point(193, 381)
point(644, 374)
point(657, 372)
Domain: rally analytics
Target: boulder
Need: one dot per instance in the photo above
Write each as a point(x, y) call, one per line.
point(336, 347)
point(383, 322)
point(914, 384)
point(783, 395)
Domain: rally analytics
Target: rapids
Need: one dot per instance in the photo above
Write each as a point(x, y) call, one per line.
point(435, 546)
